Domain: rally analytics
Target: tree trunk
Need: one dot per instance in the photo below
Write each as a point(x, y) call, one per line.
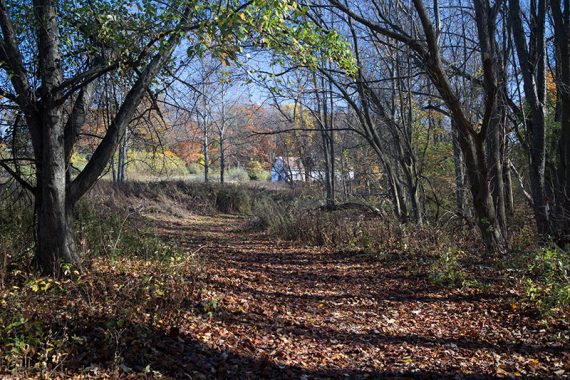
point(510, 202)
point(54, 238)
point(493, 237)
point(494, 156)
point(325, 128)
point(55, 243)
point(404, 213)
point(222, 159)
point(459, 176)
point(122, 160)
point(205, 144)
point(54, 227)
point(113, 169)
point(561, 219)
point(532, 64)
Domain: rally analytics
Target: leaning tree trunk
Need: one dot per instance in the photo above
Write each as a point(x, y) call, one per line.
point(493, 236)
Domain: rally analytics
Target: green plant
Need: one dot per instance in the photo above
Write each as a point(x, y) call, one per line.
point(195, 169)
point(548, 279)
point(270, 215)
point(210, 307)
point(445, 270)
point(28, 344)
point(16, 223)
point(120, 235)
point(257, 172)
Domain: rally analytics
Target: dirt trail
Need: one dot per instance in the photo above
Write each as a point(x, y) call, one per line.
point(282, 310)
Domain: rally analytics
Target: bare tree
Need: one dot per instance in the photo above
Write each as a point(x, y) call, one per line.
point(473, 136)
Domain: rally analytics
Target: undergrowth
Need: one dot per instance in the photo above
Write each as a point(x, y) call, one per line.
point(446, 270)
point(447, 255)
point(136, 285)
point(547, 279)
point(305, 221)
point(16, 227)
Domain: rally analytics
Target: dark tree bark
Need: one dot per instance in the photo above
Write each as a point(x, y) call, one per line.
point(471, 140)
point(561, 18)
point(323, 119)
point(531, 58)
point(222, 158)
point(53, 137)
point(54, 235)
point(459, 176)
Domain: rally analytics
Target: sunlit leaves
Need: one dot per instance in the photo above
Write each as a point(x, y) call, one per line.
point(276, 25)
point(129, 31)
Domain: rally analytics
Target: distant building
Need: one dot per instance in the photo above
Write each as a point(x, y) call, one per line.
point(278, 172)
point(288, 170)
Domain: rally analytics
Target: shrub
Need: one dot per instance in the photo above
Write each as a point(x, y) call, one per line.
point(154, 163)
point(195, 169)
point(273, 216)
point(256, 172)
point(548, 279)
point(350, 229)
point(237, 175)
point(119, 236)
point(16, 227)
point(231, 199)
point(28, 344)
point(445, 270)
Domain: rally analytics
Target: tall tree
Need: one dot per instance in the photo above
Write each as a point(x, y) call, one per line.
point(561, 25)
point(531, 53)
point(54, 52)
point(474, 137)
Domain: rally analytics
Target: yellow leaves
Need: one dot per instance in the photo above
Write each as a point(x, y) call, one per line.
point(533, 362)
point(502, 372)
point(551, 84)
point(42, 284)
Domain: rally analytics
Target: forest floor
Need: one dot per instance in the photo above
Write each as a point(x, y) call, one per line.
point(254, 307)
point(275, 309)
